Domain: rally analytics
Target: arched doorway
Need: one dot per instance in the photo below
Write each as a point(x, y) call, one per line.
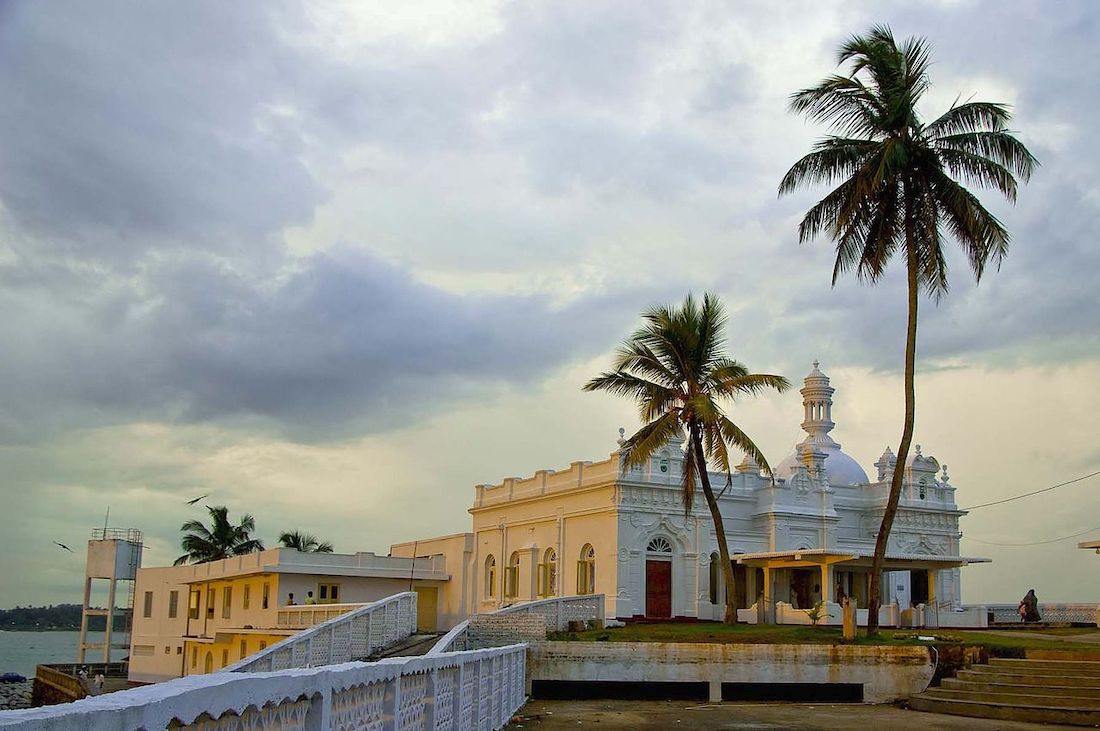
point(658, 578)
point(208, 663)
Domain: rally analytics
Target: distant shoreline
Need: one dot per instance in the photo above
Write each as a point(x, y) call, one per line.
point(43, 629)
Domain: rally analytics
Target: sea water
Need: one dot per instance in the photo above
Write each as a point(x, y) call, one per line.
point(20, 652)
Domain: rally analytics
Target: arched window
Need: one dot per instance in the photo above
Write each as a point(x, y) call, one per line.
point(659, 544)
point(548, 573)
point(715, 572)
point(586, 570)
point(490, 576)
point(511, 577)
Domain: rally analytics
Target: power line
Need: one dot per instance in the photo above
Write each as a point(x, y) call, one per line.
point(1034, 492)
point(1033, 543)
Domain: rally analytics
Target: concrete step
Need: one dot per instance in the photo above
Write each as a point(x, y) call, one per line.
point(1012, 696)
point(985, 674)
point(1043, 689)
point(1047, 667)
point(1070, 716)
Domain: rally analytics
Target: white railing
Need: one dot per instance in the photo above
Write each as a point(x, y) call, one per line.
point(559, 611)
point(301, 616)
point(1079, 613)
point(455, 640)
point(477, 689)
point(350, 636)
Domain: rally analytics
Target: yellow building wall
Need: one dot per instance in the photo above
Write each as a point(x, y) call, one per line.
point(453, 599)
point(564, 511)
point(226, 649)
point(159, 643)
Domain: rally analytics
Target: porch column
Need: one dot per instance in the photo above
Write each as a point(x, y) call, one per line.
point(768, 599)
point(932, 574)
point(827, 583)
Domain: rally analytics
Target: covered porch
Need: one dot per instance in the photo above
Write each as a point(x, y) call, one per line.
point(790, 584)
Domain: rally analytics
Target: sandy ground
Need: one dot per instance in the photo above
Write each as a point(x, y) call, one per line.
point(630, 715)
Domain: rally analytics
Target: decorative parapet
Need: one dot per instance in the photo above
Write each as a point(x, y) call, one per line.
point(462, 690)
point(1075, 613)
point(349, 636)
point(311, 615)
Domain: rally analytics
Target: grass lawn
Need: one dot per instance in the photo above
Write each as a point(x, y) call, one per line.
point(1007, 644)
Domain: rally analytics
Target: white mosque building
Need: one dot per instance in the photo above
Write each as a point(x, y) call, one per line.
point(804, 537)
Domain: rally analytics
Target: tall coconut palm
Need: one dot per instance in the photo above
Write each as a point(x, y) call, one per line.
point(898, 191)
point(304, 542)
point(220, 540)
point(675, 369)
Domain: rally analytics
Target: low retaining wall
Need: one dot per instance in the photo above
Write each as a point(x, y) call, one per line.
point(496, 630)
point(886, 673)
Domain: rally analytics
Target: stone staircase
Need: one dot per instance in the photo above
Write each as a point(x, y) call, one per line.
point(1039, 691)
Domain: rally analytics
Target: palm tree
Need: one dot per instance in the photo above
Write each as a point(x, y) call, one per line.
point(220, 540)
point(675, 369)
point(898, 190)
point(304, 542)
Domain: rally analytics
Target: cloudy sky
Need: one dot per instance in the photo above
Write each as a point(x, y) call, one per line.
point(335, 264)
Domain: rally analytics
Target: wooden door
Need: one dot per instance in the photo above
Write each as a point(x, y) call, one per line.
point(427, 601)
point(658, 589)
point(740, 586)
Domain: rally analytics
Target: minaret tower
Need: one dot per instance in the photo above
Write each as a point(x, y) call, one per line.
point(817, 401)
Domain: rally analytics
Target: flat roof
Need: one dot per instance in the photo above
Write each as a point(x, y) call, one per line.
point(834, 555)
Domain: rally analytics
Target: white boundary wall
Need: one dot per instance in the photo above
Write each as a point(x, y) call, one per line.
point(478, 689)
point(1080, 613)
point(343, 638)
point(559, 611)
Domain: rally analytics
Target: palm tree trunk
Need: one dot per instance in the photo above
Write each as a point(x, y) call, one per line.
point(719, 528)
point(903, 451)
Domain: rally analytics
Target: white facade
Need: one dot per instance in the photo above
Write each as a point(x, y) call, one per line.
point(805, 537)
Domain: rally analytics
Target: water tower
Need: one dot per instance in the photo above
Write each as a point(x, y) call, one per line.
point(114, 555)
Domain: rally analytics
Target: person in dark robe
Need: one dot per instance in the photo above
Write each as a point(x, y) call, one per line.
point(1029, 607)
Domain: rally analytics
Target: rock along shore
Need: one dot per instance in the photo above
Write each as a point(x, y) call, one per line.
point(15, 695)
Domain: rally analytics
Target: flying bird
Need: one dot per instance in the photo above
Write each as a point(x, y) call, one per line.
point(63, 546)
point(200, 497)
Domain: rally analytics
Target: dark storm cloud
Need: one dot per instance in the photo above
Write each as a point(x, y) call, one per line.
point(152, 154)
point(342, 344)
point(126, 125)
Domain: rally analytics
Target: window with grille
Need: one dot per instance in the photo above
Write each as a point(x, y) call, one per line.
point(147, 608)
point(490, 576)
point(227, 602)
point(586, 570)
point(193, 605)
point(173, 604)
point(659, 544)
point(511, 576)
point(548, 573)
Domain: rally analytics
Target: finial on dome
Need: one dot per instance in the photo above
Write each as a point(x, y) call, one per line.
point(918, 450)
point(622, 436)
point(816, 364)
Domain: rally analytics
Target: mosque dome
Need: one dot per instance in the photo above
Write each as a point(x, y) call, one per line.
point(817, 400)
point(841, 469)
